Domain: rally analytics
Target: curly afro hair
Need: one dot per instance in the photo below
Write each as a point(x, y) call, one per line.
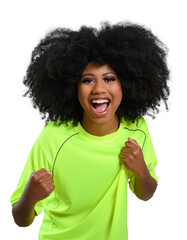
point(136, 55)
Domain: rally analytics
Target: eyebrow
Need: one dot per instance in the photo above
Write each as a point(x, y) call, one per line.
point(89, 74)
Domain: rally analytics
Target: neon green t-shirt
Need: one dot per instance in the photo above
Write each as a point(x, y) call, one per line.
point(90, 197)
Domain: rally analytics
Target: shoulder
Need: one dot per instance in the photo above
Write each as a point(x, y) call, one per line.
point(53, 134)
point(139, 124)
point(136, 130)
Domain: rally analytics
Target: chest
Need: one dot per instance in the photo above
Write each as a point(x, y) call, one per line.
point(84, 171)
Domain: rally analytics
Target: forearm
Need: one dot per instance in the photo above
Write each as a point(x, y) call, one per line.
point(23, 213)
point(39, 187)
point(145, 186)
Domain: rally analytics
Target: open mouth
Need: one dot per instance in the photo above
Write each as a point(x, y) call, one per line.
point(100, 105)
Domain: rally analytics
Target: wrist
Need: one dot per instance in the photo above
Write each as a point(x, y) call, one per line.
point(27, 200)
point(143, 174)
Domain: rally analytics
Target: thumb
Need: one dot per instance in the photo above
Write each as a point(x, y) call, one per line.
point(132, 140)
point(49, 173)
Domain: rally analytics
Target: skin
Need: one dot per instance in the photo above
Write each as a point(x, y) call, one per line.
point(96, 86)
point(39, 186)
point(97, 81)
point(101, 82)
point(132, 157)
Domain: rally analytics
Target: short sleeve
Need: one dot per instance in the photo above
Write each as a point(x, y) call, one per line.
point(149, 156)
point(38, 158)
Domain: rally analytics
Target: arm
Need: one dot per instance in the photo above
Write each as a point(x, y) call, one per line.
point(145, 186)
point(23, 213)
point(132, 157)
point(38, 187)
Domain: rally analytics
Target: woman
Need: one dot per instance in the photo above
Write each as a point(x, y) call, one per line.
point(93, 87)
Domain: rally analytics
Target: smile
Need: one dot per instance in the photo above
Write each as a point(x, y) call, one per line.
point(100, 106)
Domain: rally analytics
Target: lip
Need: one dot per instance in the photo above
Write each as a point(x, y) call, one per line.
point(101, 114)
point(99, 98)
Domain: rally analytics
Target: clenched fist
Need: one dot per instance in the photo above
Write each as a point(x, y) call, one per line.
point(132, 157)
point(39, 186)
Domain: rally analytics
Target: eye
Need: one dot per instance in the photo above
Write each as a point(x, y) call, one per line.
point(109, 79)
point(86, 80)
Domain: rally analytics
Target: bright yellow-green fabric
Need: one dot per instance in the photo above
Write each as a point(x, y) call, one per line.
point(90, 197)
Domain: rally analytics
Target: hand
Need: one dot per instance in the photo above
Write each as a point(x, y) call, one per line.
point(132, 157)
point(39, 186)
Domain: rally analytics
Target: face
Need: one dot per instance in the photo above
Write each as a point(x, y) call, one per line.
point(99, 93)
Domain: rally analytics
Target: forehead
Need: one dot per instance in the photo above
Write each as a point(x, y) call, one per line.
point(97, 68)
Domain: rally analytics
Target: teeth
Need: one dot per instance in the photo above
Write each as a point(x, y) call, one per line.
point(100, 101)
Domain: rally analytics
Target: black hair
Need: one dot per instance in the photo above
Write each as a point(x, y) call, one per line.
point(137, 56)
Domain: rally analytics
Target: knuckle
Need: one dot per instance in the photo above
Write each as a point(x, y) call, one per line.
point(44, 189)
point(42, 170)
point(134, 152)
point(40, 180)
point(48, 192)
point(138, 148)
point(127, 161)
point(34, 177)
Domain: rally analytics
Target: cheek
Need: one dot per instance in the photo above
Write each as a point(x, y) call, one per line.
point(118, 102)
point(80, 90)
point(118, 94)
point(82, 95)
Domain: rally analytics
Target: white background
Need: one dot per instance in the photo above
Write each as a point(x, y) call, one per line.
point(22, 25)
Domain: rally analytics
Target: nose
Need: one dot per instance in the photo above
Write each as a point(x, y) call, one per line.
point(99, 87)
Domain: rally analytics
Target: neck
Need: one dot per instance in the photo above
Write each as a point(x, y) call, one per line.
point(101, 129)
